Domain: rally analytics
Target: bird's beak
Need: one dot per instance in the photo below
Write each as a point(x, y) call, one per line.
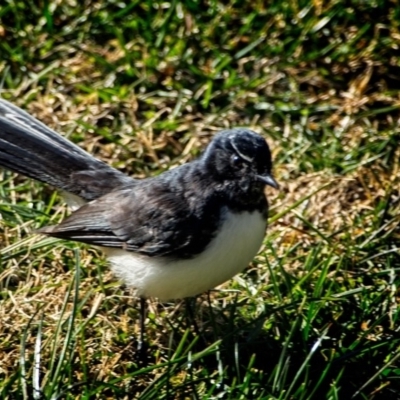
point(269, 180)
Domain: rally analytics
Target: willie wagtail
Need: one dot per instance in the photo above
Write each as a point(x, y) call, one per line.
point(171, 236)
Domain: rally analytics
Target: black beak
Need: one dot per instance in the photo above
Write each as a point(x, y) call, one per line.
point(269, 180)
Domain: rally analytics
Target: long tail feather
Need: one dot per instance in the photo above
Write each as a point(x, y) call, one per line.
point(29, 147)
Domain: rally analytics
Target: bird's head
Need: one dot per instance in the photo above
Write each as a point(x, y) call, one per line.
point(240, 155)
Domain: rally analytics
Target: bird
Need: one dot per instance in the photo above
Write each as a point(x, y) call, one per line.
point(170, 236)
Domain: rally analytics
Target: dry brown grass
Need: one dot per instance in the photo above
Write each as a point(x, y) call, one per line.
point(333, 128)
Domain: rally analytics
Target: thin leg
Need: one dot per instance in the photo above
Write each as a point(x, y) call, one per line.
point(190, 307)
point(211, 314)
point(142, 318)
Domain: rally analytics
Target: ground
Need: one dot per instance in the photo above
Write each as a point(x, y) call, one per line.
point(144, 86)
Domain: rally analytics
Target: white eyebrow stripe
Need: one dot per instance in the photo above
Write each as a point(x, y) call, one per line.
point(249, 159)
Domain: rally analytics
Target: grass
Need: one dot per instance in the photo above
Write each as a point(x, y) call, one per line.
point(143, 86)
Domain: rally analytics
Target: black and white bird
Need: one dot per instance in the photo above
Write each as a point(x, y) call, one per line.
point(171, 236)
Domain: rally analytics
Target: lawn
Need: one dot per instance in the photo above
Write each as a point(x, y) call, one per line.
point(144, 86)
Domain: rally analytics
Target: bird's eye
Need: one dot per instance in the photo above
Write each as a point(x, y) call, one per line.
point(237, 161)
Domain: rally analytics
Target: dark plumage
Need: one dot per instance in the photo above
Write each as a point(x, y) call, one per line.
point(175, 215)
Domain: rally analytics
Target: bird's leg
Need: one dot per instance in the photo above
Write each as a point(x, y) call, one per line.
point(142, 348)
point(190, 307)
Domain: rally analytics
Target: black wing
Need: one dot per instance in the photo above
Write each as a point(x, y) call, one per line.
point(155, 218)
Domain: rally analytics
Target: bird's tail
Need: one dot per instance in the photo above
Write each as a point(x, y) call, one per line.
point(31, 148)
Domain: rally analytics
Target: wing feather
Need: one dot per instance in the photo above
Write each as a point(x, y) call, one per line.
point(156, 218)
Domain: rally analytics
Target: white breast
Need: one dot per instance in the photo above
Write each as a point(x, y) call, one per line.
point(230, 252)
